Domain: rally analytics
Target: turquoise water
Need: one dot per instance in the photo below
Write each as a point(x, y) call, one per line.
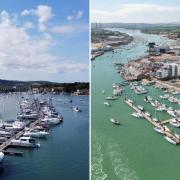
point(133, 150)
point(63, 155)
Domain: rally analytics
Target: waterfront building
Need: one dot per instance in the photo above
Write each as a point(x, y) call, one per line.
point(169, 70)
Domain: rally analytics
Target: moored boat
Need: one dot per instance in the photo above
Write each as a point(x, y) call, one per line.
point(115, 121)
point(171, 140)
point(25, 142)
point(159, 130)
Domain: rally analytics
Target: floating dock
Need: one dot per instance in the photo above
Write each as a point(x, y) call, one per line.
point(156, 124)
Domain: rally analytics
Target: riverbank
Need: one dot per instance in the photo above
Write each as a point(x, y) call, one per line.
point(121, 152)
point(103, 40)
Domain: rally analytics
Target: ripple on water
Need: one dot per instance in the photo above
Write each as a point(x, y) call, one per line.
point(97, 161)
point(120, 164)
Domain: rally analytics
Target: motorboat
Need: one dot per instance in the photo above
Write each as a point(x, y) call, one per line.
point(140, 107)
point(174, 123)
point(1, 157)
point(115, 121)
point(16, 126)
point(171, 140)
point(111, 98)
point(172, 113)
point(50, 120)
point(130, 101)
point(177, 135)
point(107, 104)
point(35, 133)
point(155, 119)
point(32, 115)
point(147, 114)
point(137, 115)
point(76, 109)
point(25, 142)
point(159, 130)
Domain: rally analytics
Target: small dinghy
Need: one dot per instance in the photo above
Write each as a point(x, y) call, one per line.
point(115, 121)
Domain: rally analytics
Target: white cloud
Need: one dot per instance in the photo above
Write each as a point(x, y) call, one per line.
point(70, 29)
point(28, 25)
point(20, 51)
point(77, 15)
point(43, 12)
point(143, 13)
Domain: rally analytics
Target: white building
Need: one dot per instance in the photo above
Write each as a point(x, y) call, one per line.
point(169, 70)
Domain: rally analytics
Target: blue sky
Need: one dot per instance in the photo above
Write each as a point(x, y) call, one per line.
point(152, 11)
point(44, 40)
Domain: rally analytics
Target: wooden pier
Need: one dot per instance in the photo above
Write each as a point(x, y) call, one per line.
point(154, 123)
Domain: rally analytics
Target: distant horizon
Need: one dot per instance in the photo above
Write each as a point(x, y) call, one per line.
point(133, 11)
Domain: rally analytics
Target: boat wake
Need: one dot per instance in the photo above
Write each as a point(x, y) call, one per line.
point(120, 164)
point(119, 161)
point(97, 172)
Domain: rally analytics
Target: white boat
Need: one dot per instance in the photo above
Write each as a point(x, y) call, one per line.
point(174, 123)
point(155, 119)
point(172, 141)
point(159, 130)
point(28, 116)
point(76, 109)
point(137, 115)
point(172, 113)
point(177, 135)
point(51, 121)
point(147, 114)
point(140, 107)
point(36, 133)
point(15, 126)
point(1, 157)
point(115, 121)
point(25, 142)
point(107, 104)
point(111, 98)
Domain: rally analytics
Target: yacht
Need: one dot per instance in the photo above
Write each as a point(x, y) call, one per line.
point(159, 130)
point(138, 115)
point(171, 140)
point(76, 109)
point(107, 104)
point(172, 113)
point(147, 114)
point(115, 121)
point(50, 120)
point(15, 126)
point(140, 107)
point(111, 98)
point(174, 123)
point(35, 133)
point(155, 119)
point(25, 142)
point(177, 135)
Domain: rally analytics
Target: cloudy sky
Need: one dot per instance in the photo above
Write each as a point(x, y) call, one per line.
point(44, 40)
point(136, 11)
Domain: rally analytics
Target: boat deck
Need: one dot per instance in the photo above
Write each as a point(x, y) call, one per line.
point(156, 124)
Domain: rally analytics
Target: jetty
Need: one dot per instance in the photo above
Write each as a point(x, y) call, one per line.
point(154, 123)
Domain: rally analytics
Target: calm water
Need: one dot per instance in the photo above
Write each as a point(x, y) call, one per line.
point(63, 155)
point(133, 150)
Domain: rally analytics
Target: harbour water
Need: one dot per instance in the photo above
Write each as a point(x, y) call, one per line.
point(133, 150)
point(64, 154)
